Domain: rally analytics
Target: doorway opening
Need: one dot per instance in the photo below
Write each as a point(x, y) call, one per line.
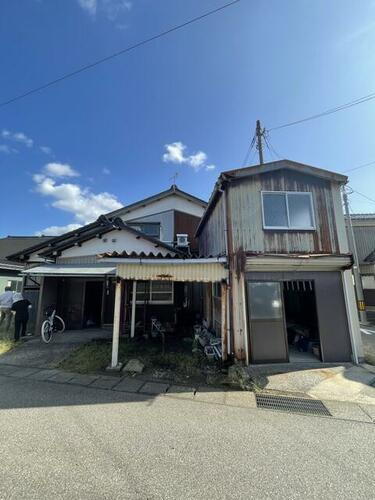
point(92, 316)
point(301, 321)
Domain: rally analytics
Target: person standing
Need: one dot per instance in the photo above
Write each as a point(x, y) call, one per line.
point(21, 307)
point(6, 302)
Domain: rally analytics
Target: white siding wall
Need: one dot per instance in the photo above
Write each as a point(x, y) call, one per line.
point(124, 242)
point(172, 202)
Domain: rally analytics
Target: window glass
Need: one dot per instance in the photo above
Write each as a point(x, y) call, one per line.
point(154, 291)
point(149, 229)
point(300, 210)
point(274, 210)
point(264, 300)
point(162, 286)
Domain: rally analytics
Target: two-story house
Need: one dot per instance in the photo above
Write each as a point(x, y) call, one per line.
point(291, 295)
point(67, 272)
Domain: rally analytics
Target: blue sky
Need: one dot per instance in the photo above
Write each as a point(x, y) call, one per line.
point(99, 139)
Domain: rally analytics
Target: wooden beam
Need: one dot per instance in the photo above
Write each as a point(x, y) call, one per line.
point(116, 325)
point(134, 303)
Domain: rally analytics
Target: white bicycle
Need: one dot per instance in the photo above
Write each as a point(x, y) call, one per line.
point(53, 324)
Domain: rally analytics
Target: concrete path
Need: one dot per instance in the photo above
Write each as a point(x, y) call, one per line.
point(152, 389)
point(337, 383)
point(34, 352)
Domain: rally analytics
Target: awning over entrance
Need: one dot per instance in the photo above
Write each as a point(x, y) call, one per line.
point(71, 270)
point(193, 270)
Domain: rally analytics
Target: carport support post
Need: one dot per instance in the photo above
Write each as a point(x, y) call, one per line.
point(134, 302)
point(116, 325)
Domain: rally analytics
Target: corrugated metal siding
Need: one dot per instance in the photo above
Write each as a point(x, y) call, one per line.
point(205, 273)
point(246, 213)
point(365, 241)
point(212, 237)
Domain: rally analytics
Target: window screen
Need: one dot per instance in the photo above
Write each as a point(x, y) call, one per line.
point(300, 210)
point(287, 210)
point(274, 209)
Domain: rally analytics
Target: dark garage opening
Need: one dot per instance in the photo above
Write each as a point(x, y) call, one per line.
point(92, 316)
point(301, 321)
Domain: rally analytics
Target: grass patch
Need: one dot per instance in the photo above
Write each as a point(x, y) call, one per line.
point(178, 362)
point(6, 345)
point(370, 358)
point(6, 342)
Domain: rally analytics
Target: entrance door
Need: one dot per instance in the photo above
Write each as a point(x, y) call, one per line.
point(267, 329)
point(93, 304)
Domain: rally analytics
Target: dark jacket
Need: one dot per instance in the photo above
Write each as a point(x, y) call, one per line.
point(21, 308)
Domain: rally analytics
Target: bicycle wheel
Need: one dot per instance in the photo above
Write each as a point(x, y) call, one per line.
point(46, 332)
point(58, 324)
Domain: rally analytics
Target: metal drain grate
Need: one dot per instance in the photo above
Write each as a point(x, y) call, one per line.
point(296, 405)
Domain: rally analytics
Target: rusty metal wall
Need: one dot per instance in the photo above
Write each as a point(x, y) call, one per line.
point(212, 237)
point(246, 213)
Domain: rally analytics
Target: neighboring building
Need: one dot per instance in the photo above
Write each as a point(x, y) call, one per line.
point(364, 235)
point(282, 228)
point(10, 270)
point(68, 273)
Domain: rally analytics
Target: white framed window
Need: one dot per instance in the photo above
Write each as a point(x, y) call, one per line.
point(289, 210)
point(151, 229)
point(155, 292)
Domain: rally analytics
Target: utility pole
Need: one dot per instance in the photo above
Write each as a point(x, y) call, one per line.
point(259, 134)
point(356, 272)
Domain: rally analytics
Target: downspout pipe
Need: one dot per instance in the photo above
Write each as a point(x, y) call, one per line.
point(229, 255)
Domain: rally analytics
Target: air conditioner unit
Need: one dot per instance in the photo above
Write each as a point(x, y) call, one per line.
point(182, 240)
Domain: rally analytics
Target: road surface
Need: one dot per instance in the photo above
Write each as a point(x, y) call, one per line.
point(69, 442)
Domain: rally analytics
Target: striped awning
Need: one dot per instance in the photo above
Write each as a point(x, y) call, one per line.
point(199, 270)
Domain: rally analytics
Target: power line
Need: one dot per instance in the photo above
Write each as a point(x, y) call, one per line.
point(361, 194)
point(246, 159)
point(116, 54)
point(360, 166)
point(330, 111)
point(270, 147)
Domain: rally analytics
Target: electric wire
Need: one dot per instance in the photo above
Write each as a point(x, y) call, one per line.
point(330, 111)
point(117, 54)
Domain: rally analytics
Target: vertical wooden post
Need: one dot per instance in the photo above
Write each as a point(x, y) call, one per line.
point(116, 324)
point(208, 303)
point(245, 329)
point(134, 302)
point(224, 327)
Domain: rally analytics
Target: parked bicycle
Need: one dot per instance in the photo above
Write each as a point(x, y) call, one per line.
point(52, 324)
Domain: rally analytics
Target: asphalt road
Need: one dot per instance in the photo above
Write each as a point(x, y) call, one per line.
point(68, 442)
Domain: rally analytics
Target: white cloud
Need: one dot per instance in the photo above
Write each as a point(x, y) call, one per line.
point(112, 9)
point(4, 148)
point(89, 6)
point(106, 171)
point(46, 150)
point(85, 205)
point(57, 230)
point(18, 137)
point(176, 153)
point(59, 170)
